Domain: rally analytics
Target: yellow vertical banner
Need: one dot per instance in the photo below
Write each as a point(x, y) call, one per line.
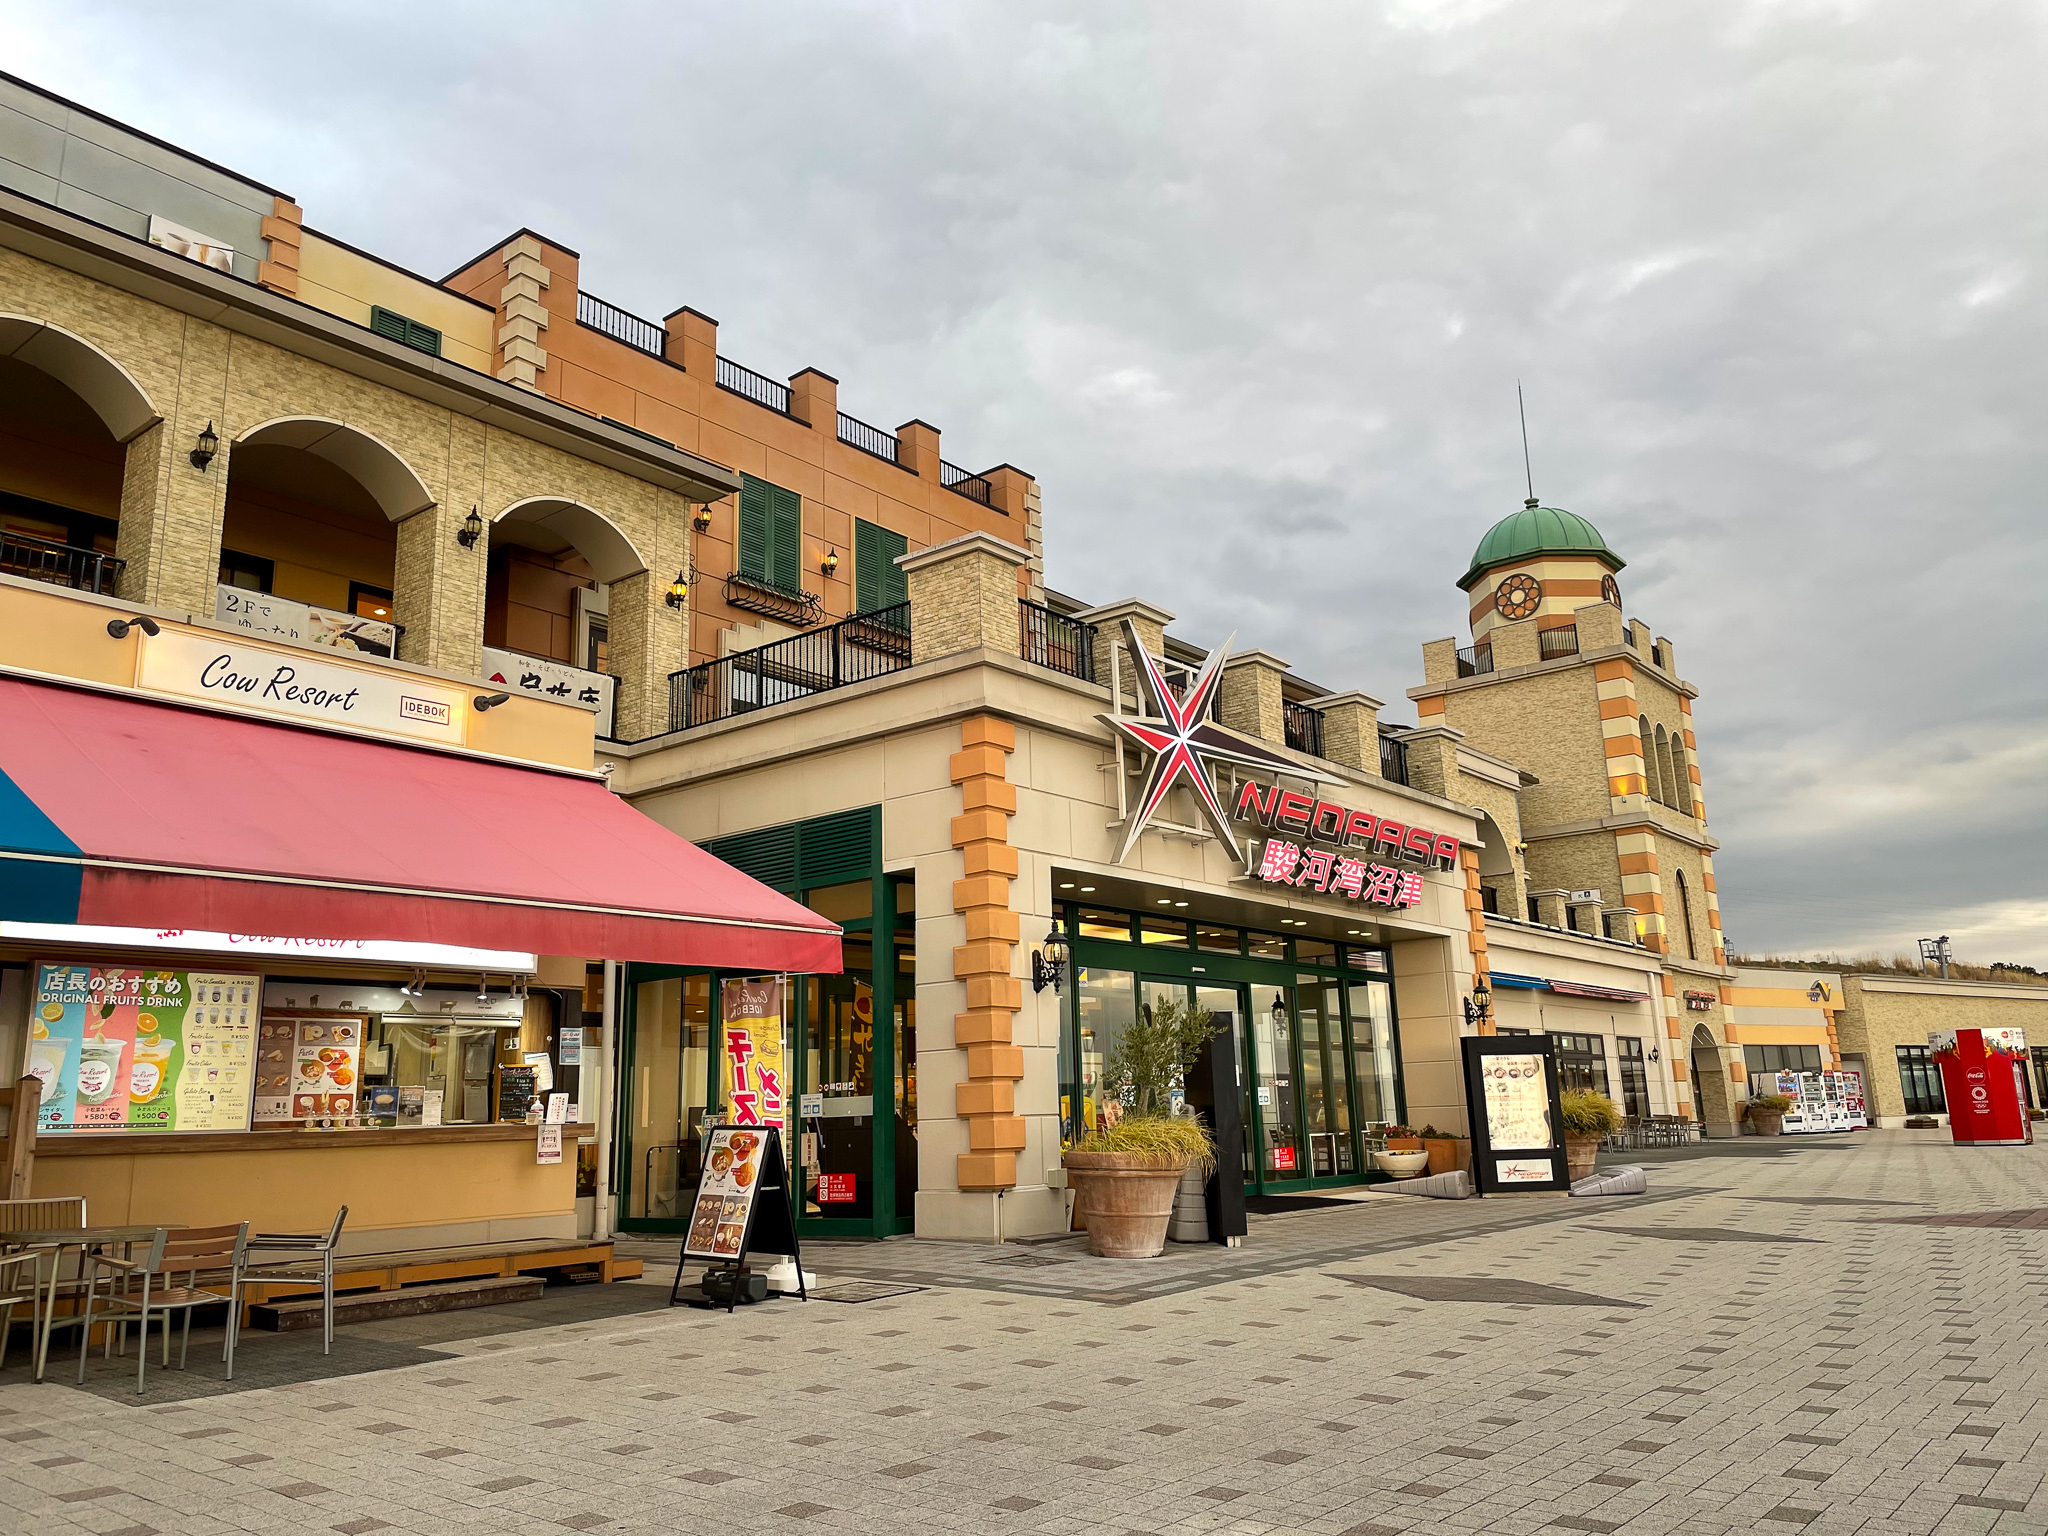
point(756, 1079)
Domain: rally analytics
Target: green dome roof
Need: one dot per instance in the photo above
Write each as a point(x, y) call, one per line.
point(1538, 531)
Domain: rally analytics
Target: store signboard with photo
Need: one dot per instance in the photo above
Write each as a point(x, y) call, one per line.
point(725, 1198)
point(122, 1049)
point(280, 618)
point(309, 1069)
point(1511, 1096)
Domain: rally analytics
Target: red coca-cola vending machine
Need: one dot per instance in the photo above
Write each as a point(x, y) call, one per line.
point(1983, 1075)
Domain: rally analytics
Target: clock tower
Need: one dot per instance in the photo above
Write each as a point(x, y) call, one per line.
point(1610, 836)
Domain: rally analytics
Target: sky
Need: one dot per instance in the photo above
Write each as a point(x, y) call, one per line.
point(1249, 289)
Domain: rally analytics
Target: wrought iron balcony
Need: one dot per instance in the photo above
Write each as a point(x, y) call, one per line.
point(621, 325)
point(1056, 642)
point(856, 433)
point(1394, 759)
point(1556, 644)
point(973, 487)
point(785, 604)
point(855, 649)
point(62, 565)
point(1304, 727)
point(1475, 660)
point(757, 387)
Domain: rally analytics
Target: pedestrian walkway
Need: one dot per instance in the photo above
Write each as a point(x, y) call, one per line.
point(1769, 1349)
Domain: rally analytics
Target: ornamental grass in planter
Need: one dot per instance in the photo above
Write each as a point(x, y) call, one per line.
point(1767, 1113)
point(1125, 1171)
point(1587, 1116)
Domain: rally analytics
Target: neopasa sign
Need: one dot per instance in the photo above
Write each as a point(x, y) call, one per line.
point(1334, 871)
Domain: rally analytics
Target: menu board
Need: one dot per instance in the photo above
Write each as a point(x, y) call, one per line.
point(123, 1049)
point(1517, 1104)
point(516, 1087)
point(308, 1069)
point(725, 1198)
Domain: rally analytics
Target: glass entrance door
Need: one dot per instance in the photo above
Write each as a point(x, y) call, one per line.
point(668, 1090)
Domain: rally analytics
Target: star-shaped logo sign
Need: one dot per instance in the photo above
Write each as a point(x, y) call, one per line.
point(1183, 742)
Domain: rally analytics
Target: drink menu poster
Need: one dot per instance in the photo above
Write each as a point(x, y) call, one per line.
point(121, 1048)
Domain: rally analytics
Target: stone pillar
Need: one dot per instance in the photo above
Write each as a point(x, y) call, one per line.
point(1440, 661)
point(1642, 883)
point(1586, 915)
point(170, 511)
point(648, 637)
point(1619, 923)
point(1351, 729)
point(1250, 695)
point(283, 233)
point(963, 597)
point(814, 400)
point(987, 1098)
point(917, 450)
point(1433, 759)
point(1034, 540)
point(1108, 620)
point(437, 588)
point(1514, 645)
point(1431, 975)
point(522, 313)
point(1550, 910)
point(692, 341)
point(1600, 627)
point(1008, 487)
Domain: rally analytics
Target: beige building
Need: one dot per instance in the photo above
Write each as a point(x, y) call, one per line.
point(1886, 1019)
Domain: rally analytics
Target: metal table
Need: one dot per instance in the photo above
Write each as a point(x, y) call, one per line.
point(54, 1240)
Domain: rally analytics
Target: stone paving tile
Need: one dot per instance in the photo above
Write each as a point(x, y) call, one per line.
point(1788, 1380)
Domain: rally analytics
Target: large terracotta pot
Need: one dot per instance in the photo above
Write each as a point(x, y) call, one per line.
point(1767, 1125)
point(1447, 1154)
point(1579, 1153)
point(1124, 1201)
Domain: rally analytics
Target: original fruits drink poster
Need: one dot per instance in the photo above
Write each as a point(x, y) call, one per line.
point(118, 1048)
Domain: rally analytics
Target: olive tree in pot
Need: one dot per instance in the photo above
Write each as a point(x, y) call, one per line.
point(1767, 1113)
point(1125, 1171)
point(1588, 1116)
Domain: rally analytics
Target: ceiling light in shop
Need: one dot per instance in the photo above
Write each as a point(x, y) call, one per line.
point(1066, 885)
point(1087, 890)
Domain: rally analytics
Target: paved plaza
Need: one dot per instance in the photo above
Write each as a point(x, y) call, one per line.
point(1828, 1336)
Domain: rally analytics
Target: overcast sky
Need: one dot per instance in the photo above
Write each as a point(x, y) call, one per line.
point(1248, 288)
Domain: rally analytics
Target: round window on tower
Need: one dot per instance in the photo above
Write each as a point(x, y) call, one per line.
point(1517, 597)
point(1610, 591)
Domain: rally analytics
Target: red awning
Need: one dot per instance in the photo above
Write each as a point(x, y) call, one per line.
point(163, 816)
point(1605, 994)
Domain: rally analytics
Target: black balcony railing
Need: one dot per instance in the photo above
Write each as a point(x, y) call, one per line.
point(853, 650)
point(62, 565)
point(789, 605)
point(1657, 655)
point(1304, 727)
point(1475, 660)
point(1553, 644)
point(856, 433)
point(621, 325)
point(1394, 759)
point(1628, 636)
point(1056, 642)
point(973, 487)
point(757, 387)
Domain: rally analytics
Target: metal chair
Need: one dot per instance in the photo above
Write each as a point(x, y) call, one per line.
point(50, 1213)
point(13, 1294)
point(192, 1251)
point(312, 1258)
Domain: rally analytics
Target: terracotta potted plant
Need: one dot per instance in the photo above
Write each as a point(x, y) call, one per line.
point(1767, 1113)
point(1588, 1116)
point(1447, 1153)
point(1125, 1172)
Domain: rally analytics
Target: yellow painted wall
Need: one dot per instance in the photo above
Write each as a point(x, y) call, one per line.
point(336, 279)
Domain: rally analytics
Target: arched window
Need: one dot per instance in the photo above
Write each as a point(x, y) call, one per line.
point(1648, 749)
point(1674, 795)
point(1681, 766)
point(1685, 916)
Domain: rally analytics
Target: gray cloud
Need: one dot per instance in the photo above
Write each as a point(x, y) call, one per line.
point(1248, 287)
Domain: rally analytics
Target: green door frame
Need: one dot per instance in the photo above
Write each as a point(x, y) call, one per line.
point(1210, 968)
point(886, 1219)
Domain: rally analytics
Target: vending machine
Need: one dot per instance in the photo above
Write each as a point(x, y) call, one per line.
point(1983, 1073)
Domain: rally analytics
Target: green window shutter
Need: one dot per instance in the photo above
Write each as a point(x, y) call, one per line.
point(755, 496)
point(390, 324)
point(785, 539)
point(878, 581)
